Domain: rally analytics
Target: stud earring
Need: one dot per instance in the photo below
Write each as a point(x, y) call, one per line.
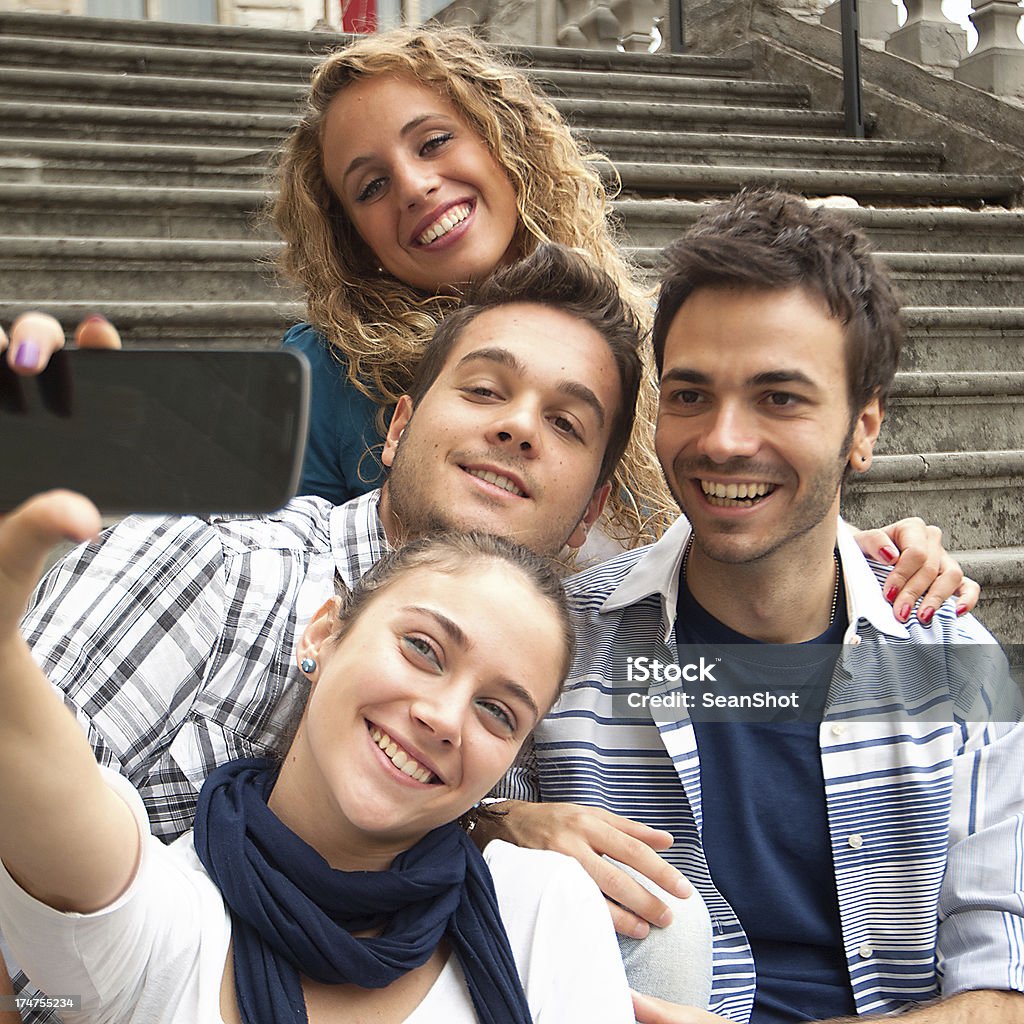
point(308, 665)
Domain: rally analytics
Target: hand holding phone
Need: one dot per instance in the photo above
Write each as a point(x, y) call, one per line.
point(170, 431)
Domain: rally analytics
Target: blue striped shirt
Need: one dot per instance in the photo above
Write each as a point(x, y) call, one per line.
point(925, 809)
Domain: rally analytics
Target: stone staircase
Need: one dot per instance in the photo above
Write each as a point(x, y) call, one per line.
point(133, 169)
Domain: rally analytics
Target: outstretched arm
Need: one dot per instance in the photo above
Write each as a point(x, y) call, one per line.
point(65, 837)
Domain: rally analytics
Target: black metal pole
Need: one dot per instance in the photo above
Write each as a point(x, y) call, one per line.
point(676, 38)
point(854, 112)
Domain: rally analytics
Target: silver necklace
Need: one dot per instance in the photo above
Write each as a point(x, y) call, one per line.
point(835, 585)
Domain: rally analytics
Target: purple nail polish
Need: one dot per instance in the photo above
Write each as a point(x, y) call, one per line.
point(26, 355)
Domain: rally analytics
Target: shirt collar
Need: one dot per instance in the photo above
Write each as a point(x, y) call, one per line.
point(657, 572)
point(357, 537)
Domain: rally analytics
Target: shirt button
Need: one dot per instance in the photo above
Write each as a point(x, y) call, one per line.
point(856, 841)
point(866, 951)
point(838, 730)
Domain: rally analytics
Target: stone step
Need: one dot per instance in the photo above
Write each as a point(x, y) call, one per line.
point(229, 39)
point(958, 279)
point(683, 179)
point(254, 93)
point(932, 279)
point(758, 150)
point(949, 412)
point(1001, 575)
point(211, 269)
point(656, 222)
point(231, 65)
point(128, 212)
point(975, 496)
point(156, 125)
point(668, 88)
point(176, 324)
point(981, 338)
point(716, 117)
point(112, 269)
point(70, 162)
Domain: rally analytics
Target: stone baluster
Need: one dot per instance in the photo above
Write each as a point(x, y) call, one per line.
point(600, 27)
point(878, 20)
point(569, 34)
point(997, 62)
point(928, 37)
point(636, 22)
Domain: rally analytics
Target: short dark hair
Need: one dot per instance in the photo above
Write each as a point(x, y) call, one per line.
point(764, 238)
point(564, 279)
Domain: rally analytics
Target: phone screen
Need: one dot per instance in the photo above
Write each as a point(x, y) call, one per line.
point(184, 430)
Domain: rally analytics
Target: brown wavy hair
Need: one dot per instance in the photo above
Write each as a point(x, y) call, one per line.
point(380, 325)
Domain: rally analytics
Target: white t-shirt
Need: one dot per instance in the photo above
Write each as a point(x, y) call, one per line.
point(157, 954)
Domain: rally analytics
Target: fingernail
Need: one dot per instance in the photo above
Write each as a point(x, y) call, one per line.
point(961, 609)
point(903, 612)
point(665, 920)
point(889, 555)
point(640, 930)
point(26, 355)
point(95, 318)
point(682, 889)
point(925, 615)
point(891, 592)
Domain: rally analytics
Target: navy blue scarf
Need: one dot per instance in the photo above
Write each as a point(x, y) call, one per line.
point(293, 914)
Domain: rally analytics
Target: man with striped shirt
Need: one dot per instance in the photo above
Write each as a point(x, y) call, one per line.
point(861, 858)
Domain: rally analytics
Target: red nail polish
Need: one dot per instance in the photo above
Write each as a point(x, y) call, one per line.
point(925, 615)
point(891, 592)
point(889, 555)
point(961, 609)
point(903, 612)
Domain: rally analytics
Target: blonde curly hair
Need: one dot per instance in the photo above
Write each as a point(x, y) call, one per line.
point(380, 324)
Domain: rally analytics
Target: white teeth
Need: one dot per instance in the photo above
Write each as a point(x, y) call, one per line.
point(401, 760)
point(444, 223)
point(499, 481)
point(721, 495)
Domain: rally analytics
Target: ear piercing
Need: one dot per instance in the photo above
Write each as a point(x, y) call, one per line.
point(308, 665)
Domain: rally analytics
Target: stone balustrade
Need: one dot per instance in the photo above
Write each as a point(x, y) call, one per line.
point(927, 37)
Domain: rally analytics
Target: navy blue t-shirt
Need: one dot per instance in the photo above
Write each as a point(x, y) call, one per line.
point(765, 827)
point(343, 450)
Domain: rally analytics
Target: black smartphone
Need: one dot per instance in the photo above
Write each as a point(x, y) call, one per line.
point(157, 430)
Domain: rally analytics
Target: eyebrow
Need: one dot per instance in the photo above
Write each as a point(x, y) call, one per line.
point(689, 376)
point(570, 388)
point(409, 126)
point(457, 635)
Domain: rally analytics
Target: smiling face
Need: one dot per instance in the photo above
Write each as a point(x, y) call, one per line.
point(418, 183)
point(754, 425)
point(511, 435)
point(418, 709)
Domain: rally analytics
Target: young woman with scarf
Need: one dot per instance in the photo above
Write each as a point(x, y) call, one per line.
point(338, 884)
